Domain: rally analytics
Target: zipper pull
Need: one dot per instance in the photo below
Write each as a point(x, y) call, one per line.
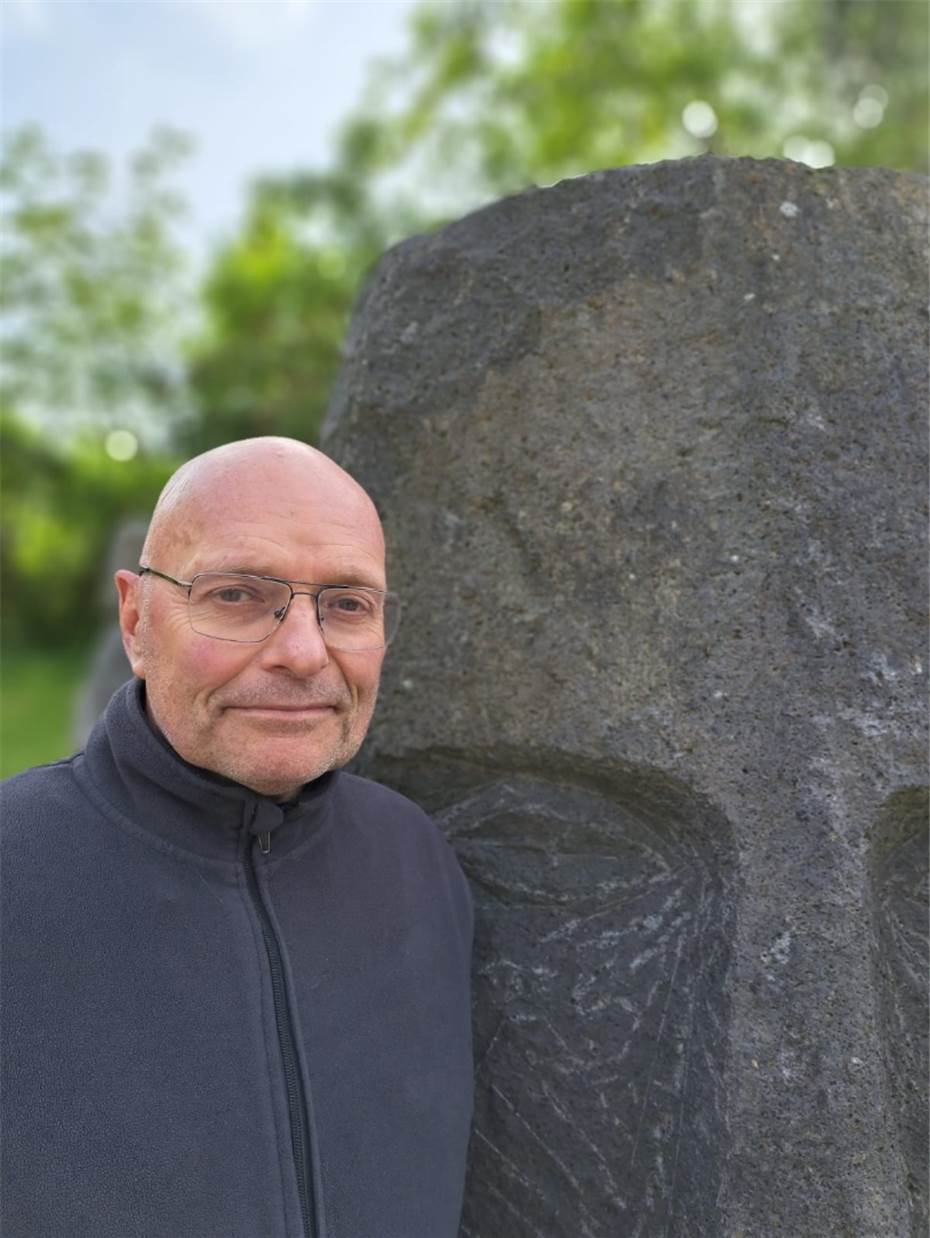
point(264, 842)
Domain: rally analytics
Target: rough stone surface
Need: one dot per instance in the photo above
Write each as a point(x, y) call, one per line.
point(651, 454)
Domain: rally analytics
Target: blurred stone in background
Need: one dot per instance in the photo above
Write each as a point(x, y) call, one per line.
point(108, 666)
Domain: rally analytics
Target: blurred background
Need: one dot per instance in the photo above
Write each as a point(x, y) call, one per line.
point(194, 190)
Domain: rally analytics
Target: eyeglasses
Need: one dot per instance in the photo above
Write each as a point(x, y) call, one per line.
point(238, 606)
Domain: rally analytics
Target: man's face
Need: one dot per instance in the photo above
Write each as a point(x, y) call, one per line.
point(279, 713)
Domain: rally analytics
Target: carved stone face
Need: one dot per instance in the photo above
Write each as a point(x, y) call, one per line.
point(659, 480)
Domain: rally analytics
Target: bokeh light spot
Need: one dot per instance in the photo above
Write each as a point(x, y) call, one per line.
point(868, 112)
point(876, 92)
point(795, 147)
point(820, 155)
point(801, 149)
point(121, 445)
point(700, 119)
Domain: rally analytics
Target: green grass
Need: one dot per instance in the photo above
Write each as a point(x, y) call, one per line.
point(37, 690)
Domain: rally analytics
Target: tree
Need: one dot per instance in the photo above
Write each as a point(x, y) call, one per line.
point(277, 303)
point(94, 301)
point(94, 296)
point(61, 504)
point(495, 95)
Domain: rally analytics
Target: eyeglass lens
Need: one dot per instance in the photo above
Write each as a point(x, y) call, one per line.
point(247, 608)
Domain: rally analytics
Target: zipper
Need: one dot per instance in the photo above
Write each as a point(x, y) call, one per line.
point(287, 1041)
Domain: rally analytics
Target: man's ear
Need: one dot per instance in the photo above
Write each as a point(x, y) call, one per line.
point(128, 586)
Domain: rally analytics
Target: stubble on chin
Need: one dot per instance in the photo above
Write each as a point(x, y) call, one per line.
point(244, 763)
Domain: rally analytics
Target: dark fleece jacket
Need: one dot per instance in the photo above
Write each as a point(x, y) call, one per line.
point(226, 1018)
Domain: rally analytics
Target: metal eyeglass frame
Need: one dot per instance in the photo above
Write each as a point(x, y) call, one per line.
point(189, 584)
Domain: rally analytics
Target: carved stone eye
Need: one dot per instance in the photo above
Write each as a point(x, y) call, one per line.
point(602, 940)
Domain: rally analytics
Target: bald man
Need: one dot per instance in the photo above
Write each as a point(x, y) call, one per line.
point(235, 976)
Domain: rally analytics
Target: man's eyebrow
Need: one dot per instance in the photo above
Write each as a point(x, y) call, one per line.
point(347, 575)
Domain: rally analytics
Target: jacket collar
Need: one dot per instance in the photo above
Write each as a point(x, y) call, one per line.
point(144, 781)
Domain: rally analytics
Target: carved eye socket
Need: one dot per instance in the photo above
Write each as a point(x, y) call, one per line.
point(549, 846)
point(602, 937)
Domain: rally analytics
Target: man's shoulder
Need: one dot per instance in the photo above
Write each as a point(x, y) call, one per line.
point(403, 832)
point(386, 814)
point(53, 777)
point(368, 796)
point(29, 792)
point(39, 812)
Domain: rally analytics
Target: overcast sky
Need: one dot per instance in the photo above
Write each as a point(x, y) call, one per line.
point(261, 84)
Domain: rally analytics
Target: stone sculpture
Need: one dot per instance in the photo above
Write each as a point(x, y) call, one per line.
point(651, 453)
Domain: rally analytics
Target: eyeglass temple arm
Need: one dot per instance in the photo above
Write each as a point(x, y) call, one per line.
point(184, 584)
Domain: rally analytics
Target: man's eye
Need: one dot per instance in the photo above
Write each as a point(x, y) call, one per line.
point(234, 596)
point(349, 606)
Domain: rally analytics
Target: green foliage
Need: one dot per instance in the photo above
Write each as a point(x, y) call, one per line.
point(499, 94)
point(39, 690)
point(93, 300)
point(60, 507)
point(93, 294)
point(285, 286)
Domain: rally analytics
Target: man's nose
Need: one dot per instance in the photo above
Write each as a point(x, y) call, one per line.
point(297, 642)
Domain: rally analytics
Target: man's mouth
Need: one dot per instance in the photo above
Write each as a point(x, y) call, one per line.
point(285, 708)
point(293, 712)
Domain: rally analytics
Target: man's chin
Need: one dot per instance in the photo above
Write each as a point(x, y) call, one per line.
point(279, 769)
point(280, 794)
point(283, 781)
point(276, 757)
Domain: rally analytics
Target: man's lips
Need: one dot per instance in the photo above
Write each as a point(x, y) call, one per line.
point(282, 719)
point(316, 709)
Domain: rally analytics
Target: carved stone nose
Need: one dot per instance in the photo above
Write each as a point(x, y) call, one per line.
point(669, 421)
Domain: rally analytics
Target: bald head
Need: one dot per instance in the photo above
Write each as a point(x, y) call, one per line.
point(252, 468)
